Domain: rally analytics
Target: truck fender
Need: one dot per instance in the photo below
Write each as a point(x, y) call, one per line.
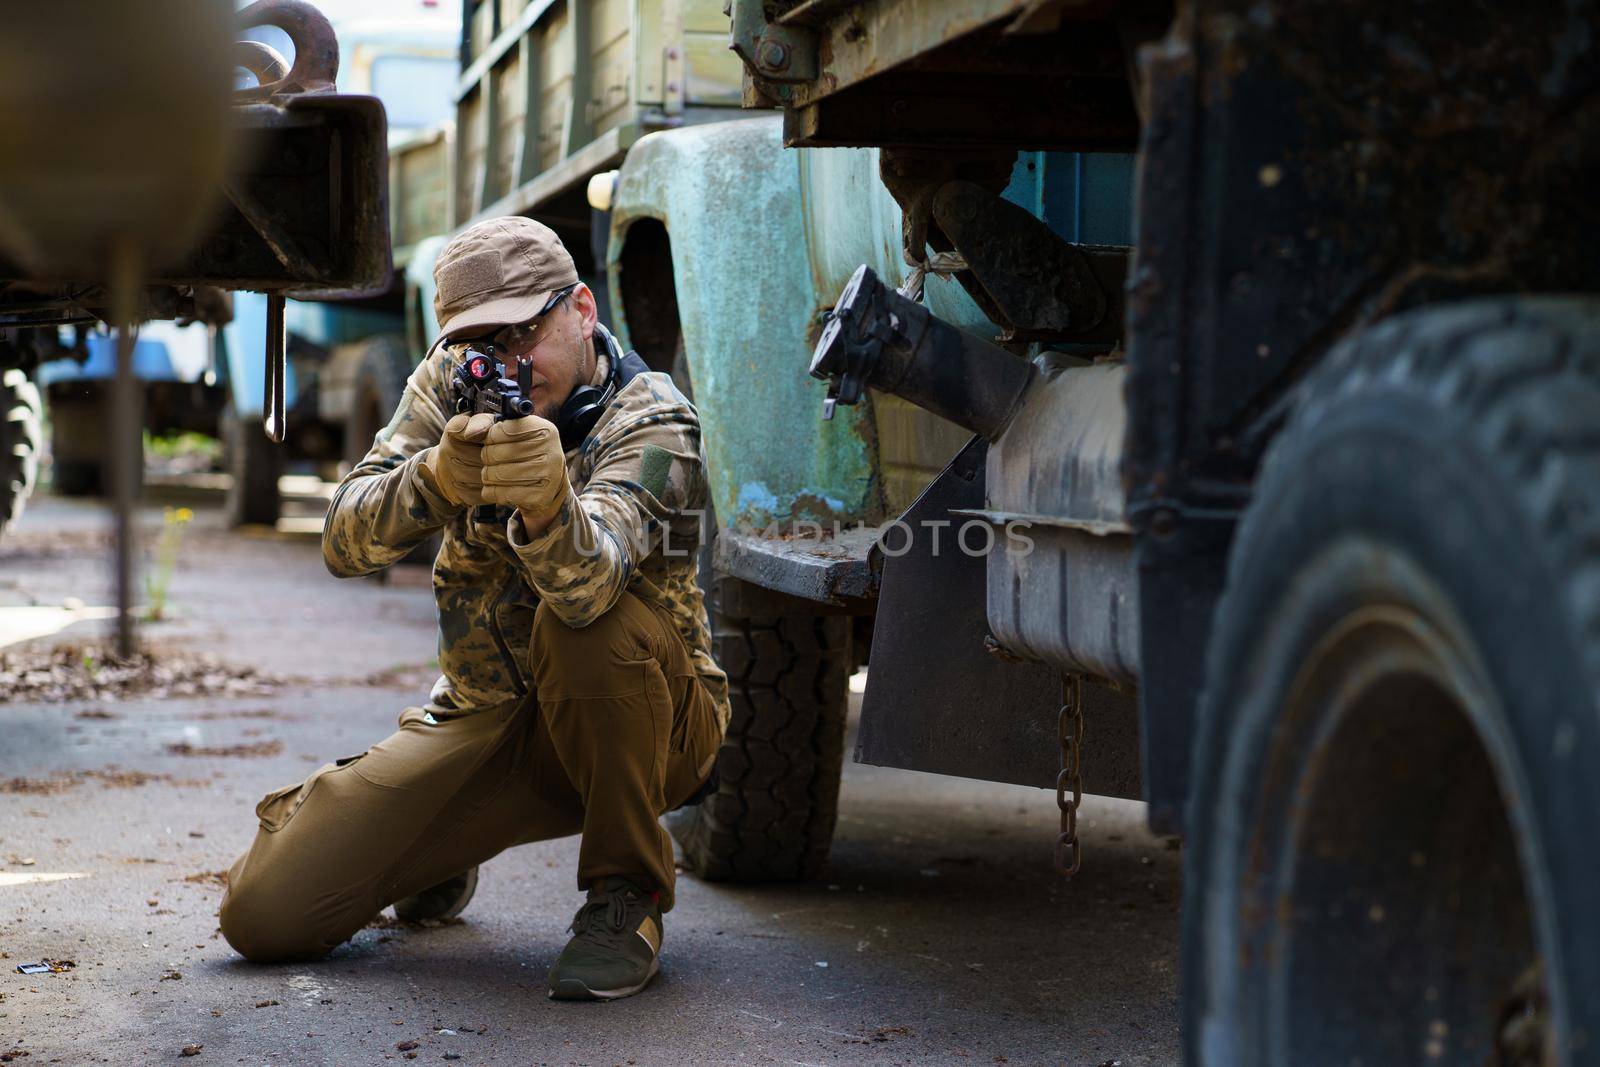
point(728, 196)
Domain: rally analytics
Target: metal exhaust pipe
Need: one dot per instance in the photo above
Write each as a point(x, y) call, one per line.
point(876, 337)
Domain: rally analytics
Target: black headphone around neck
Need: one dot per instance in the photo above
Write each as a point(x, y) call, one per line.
point(582, 409)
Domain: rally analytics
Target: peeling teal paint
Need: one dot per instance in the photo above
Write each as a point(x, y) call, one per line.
point(756, 499)
point(758, 505)
point(729, 195)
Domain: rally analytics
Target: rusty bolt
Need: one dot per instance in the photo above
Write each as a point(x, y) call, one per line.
point(775, 55)
point(672, 53)
point(672, 87)
point(1164, 523)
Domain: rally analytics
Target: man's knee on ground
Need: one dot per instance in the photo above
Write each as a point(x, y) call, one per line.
point(600, 659)
point(263, 928)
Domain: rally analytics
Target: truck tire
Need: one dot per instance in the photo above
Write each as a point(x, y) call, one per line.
point(1392, 819)
point(254, 464)
point(773, 814)
point(379, 380)
point(19, 444)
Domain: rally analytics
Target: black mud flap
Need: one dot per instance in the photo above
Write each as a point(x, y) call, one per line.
point(936, 700)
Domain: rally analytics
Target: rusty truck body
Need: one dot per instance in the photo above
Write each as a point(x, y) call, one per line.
point(1306, 463)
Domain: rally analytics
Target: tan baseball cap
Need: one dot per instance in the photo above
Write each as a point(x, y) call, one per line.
point(496, 273)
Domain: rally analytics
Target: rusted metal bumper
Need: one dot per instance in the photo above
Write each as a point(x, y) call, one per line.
point(931, 73)
point(837, 570)
point(301, 210)
point(308, 216)
point(308, 213)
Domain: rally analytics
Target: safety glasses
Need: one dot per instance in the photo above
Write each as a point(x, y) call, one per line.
point(518, 338)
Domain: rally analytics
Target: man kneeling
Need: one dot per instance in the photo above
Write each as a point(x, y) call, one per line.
point(578, 694)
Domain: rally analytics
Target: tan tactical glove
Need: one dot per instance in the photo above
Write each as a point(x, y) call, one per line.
point(455, 464)
point(523, 468)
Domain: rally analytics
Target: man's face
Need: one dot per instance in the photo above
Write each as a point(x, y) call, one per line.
point(557, 347)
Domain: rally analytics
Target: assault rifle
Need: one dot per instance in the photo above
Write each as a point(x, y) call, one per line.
point(480, 384)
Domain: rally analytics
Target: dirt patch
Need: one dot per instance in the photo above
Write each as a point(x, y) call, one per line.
point(116, 778)
point(253, 713)
point(40, 787)
point(219, 879)
point(112, 777)
point(76, 672)
point(881, 1035)
point(55, 544)
point(247, 750)
point(403, 676)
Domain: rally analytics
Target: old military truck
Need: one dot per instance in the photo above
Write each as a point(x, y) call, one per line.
point(552, 94)
point(1308, 465)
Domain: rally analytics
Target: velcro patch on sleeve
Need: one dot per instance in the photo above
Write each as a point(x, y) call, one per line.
point(654, 467)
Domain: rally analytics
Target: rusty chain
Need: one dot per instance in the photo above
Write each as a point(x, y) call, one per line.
point(1069, 730)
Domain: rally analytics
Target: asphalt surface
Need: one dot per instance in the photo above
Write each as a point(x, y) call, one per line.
point(940, 934)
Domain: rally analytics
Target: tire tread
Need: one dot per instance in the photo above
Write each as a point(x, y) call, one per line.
point(1526, 373)
point(774, 813)
point(21, 431)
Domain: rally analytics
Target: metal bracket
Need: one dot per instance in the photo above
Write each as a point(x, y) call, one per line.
point(274, 425)
point(309, 217)
point(1043, 287)
point(772, 52)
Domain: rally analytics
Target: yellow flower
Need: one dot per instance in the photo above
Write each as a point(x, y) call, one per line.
point(184, 515)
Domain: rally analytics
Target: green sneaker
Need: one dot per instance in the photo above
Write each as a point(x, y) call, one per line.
point(443, 901)
point(616, 940)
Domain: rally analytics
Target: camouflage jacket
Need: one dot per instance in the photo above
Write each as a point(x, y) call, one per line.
point(634, 524)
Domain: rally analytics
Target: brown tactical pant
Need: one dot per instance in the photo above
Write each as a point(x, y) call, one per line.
point(620, 730)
